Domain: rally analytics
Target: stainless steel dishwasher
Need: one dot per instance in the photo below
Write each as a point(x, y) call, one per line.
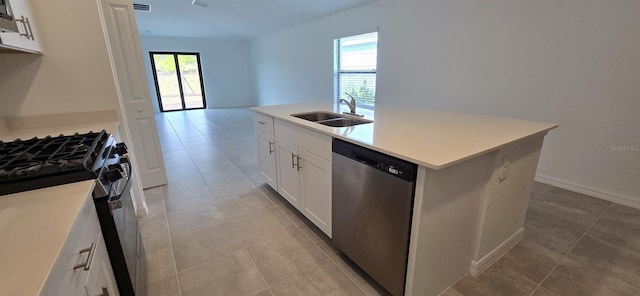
point(372, 205)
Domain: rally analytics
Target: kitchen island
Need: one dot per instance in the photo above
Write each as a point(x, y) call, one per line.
point(474, 178)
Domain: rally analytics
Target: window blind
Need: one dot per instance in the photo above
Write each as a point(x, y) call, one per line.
point(356, 59)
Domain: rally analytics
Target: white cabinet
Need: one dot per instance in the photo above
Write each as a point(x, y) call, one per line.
point(27, 37)
point(266, 148)
point(288, 176)
point(304, 171)
point(83, 262)
point(296, 162)
point(100, 279)
point(315, 189)
point(304, 180)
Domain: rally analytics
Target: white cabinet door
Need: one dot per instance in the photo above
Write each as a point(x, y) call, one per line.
point(28, 37)
point(78, 248)
point(288, 177)
point(266, 147)
point(302, 177)
point(101, 281)
point(315, 188)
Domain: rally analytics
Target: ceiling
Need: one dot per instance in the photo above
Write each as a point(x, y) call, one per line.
point(242, 19)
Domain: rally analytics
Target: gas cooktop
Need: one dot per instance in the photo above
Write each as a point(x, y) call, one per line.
point(49, 161)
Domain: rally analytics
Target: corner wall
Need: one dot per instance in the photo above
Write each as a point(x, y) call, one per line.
point(226, 68)
point(571, 62)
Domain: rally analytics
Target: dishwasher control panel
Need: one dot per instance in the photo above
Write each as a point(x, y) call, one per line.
point(383, 162)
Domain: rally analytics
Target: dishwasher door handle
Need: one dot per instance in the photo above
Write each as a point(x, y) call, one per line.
point(365, 160)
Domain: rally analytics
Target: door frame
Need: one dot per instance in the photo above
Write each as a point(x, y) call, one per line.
point(155, 79)
point(134, 100)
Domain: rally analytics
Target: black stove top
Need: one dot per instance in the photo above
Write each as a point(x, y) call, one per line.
point(41, 162)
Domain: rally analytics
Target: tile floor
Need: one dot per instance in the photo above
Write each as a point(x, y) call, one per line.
point(216, 229)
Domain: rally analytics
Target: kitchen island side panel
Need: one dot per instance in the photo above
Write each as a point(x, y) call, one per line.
point(445, 215)
point(505, 201)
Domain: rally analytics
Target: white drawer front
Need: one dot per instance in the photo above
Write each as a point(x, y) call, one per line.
point(263, 122)
point(309, 140)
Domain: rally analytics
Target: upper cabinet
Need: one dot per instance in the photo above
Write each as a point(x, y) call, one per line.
point(27, 38)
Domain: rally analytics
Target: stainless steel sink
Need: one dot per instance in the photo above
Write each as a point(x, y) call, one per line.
point(317, 116)
point(342, 122)
point(331, 119)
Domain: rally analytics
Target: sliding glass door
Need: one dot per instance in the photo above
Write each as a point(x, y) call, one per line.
point(178, 79)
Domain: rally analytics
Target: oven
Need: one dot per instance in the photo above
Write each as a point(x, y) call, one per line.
point(112, 198)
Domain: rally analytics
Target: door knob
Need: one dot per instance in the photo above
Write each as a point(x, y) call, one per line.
point(140, 110)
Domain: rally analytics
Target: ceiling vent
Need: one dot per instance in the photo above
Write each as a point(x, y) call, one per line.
point(200, 3)
point(145, 7)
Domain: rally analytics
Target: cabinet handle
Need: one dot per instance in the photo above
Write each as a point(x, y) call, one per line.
point(293, 165)
point(270, 149)
point(105, 291)
point(30, 33)
point(261, 122)
point(24, 25)
point(87, 264)
point(27, 27)
point(298, 163)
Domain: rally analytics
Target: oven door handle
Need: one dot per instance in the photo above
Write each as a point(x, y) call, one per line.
point(115, 202)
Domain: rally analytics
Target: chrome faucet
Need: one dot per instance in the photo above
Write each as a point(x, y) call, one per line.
point(352, 104)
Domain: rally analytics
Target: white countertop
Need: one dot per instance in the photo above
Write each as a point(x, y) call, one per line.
point(33, 227)
point(431, 138)
point(34, 224)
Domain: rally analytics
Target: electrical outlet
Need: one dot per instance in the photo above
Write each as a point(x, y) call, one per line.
point(505, 167)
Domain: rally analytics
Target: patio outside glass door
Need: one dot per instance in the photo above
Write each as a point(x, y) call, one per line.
point(178, 80)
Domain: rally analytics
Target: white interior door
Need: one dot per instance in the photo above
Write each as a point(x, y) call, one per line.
point(123, 44)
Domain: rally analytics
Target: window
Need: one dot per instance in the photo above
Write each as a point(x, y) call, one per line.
point(178, 79)
point(355, 67)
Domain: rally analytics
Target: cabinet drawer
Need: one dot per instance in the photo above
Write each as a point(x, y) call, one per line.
point(263, 122)
point(309, 140)
point(63, 278)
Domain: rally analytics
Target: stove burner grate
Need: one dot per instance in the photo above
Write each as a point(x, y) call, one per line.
point(39, 157)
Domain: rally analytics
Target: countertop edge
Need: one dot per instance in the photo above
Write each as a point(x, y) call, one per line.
point(434, 166)
point(44, 245)
point(88, 199)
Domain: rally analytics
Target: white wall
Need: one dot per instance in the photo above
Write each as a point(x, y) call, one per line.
point(296, 65)
point(226, 68)
point(73, 75)
point(572, 62)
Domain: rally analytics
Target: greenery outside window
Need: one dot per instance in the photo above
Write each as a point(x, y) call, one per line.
point(355, 64)
point(178, 80)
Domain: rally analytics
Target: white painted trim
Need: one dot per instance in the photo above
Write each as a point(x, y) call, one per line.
point(484, 205)
point(587, 190)
point(415, 229)
point(478, 267)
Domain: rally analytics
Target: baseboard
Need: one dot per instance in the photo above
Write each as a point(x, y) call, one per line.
point(590, 191)
point(478, 267)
